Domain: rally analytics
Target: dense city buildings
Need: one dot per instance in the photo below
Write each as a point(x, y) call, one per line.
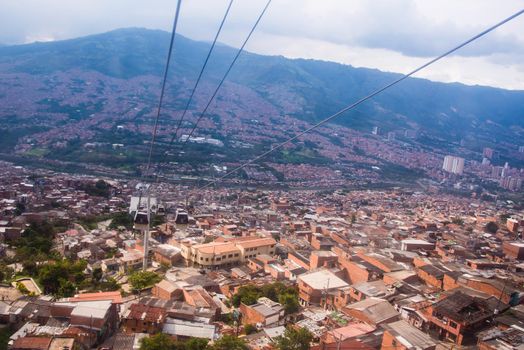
point(379, 269)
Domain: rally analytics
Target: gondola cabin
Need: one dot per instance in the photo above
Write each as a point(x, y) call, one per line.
point(141, 221)
point(181, 218)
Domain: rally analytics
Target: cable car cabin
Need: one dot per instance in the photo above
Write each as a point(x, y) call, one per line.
point(181, 218)
point(141, 221)
point(161, 210)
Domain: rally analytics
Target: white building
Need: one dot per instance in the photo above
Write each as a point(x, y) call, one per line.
point(454, 165)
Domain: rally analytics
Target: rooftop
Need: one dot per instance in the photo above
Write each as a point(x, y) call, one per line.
point(409, 336)
point(377, 310)
point(95, 309)
point(115, 297)
point(352, 330)
point(322, 279)
point(189, 329)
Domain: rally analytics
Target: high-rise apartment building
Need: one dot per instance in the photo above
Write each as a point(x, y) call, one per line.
point(454, 165)
point(487, 152)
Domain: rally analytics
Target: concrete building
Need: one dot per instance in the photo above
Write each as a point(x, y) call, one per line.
point(459, 316)
point(416, 244)
point(264, 313)
point(454, 165)
point(514, 250)
point(227, 254)
point(512, 225)
point(315, 286)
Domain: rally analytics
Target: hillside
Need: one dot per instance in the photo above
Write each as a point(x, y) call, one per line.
point(79, 90)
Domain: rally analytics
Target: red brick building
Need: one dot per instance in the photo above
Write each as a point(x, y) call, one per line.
point(459, 316)
point(514, 250)
point(140, 318)
point(401, 335)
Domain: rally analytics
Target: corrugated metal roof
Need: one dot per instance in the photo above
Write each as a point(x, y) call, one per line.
point(189, 329)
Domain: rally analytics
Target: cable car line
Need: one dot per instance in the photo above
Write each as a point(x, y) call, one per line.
point(363, 99)
point(240, 50)
point(174, 136)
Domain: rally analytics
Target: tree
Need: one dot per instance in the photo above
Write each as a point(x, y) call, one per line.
point(294, 339)
point(67, 288)
point(247, 295)
point(62, 277)
point(29, 267)
point(289, 302)
point(142, 279)
point(97, 274)
point(229, 342)
point(160, 341)
point(457, 221)
point(164, 266)
point(491, 227)
point(121, 219)
point(5, 272)
point(109, 285)
point(20, 208)
point(249, 329)
point(196, 344)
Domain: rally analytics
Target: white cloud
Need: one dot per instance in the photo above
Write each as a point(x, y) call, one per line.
point(392, 35)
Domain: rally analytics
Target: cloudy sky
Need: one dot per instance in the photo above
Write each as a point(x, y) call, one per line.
point(391, 35)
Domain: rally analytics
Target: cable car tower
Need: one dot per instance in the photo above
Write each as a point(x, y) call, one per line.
point(142, 216)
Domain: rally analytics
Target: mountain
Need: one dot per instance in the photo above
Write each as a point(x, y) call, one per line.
point(126, 65)
point(323, 86)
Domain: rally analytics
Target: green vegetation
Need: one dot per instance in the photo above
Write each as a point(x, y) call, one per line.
point(99, 188)
point(158, 220)
point(229, 342)
point(57, 276)
point(162, 341)
point(89, 222)
point(22, 289)
point(9, 134)
point(108, 285)
point(396, 172)
point(277, 291)
point(121, 219)
point(290, 302)
point(294, 339)
point(62, 278)
point(250, 329)
point(98, 284)
point(6, 273)
point(457, 221)
point(36, 243)
point(491, 227)
point(37, 152)
point(5, 333)
point(338, 318)
point(117, 219)
point(140, 280)
point(302, 155)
